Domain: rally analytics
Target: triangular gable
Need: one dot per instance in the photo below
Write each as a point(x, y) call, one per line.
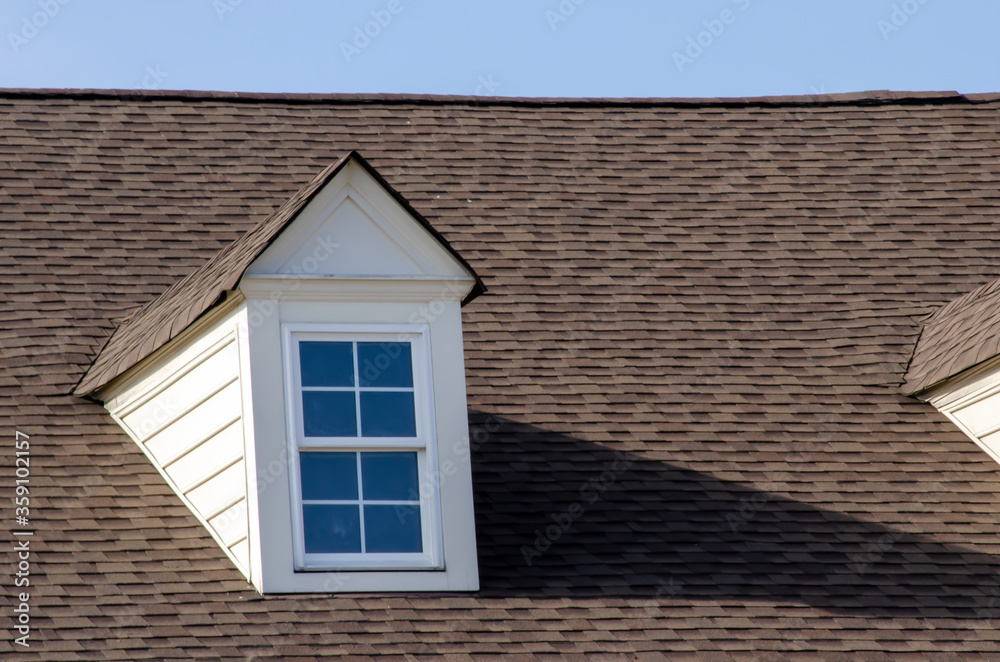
point(164, 318)
point(355, 227)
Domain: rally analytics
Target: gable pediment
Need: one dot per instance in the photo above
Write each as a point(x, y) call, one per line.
point(354, 227)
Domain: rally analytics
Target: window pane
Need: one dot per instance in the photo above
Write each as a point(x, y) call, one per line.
point(392, 529)
point(329, 414)
point(389, 476)
point(387, 414)
point(332, 476)
point(326, 363)
point(331, 529)
point(385, 364)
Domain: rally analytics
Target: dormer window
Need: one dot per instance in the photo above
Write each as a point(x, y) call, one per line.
point(362, 435)
point(303, 393)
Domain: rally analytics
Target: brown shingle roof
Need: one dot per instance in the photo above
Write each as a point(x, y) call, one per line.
point(699, 318)
point(959, 336)
point(164, 318)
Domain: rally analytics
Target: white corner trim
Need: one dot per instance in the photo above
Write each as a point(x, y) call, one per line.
point(249, 456)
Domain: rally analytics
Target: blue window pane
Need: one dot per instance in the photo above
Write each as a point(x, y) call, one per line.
point(332, 476)
point(387, 414)
point(392, 529)
point(326, 363)
point(329, 414)
point(331, 529)
point(389, 476)
point(385, 364)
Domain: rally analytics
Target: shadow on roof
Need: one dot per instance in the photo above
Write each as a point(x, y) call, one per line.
point(557, 516)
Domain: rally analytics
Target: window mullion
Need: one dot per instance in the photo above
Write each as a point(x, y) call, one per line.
point(361, 504)
point(357, 390)
point(357, 413)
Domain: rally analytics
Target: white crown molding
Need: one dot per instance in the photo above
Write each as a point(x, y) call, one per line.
point(282, 287)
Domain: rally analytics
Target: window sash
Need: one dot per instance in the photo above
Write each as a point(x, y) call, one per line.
point(421, 389)
point(423, 443)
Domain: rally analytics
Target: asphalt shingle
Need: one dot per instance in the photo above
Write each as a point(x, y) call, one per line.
point(700, 314)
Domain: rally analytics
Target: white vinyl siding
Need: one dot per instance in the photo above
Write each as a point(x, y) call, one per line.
point(981, 416)
point(187, 417)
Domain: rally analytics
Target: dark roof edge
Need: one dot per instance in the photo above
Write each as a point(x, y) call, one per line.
point(479, 287)
point(871, 97)
point(89, 394)
point(907, 387)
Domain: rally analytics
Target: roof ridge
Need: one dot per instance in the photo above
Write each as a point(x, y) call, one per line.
point(869, 97)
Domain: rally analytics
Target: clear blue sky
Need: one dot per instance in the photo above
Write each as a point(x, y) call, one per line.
point(639, 48)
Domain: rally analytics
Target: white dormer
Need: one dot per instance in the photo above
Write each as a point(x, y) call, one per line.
point(314, 418)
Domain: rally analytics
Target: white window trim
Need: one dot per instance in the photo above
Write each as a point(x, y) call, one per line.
point(425, 443)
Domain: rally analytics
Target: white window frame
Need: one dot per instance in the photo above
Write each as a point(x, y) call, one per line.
point(424, 444)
